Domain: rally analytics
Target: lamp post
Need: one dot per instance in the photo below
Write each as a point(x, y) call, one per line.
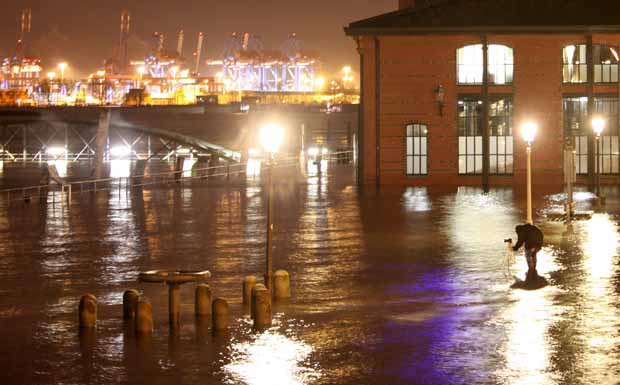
point(598, 125)
point(528, 132)
point(271, 137)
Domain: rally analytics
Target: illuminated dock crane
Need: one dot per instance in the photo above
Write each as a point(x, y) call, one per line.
point(247, 66)
point(21, 71)
point(117, 64)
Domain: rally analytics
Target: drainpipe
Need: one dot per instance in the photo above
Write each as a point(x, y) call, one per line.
point(378, 109)
point(590, 94)
point(485, 114)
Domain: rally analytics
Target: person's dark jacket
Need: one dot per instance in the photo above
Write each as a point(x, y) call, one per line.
point(530, 235)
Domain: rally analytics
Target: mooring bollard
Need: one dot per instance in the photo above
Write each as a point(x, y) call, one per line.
point(281, 285)
point(143, 323)
point(130, 300)
point(220, 314)
point(261, 303)
point(248, 283)
point(88, 311)
point(202, 303)
point(258, 286)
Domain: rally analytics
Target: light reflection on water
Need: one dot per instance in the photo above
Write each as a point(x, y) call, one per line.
point(120, 168)
point(398, 286)
point(270, 358)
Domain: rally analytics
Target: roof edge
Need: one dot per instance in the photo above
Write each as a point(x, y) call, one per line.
point(349, 31)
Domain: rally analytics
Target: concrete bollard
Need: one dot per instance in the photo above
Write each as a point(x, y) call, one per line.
point(130, 300)
point(261, 304)
point(220, 314)
point(202, 304)
point(88, 311)
point(248, 283)
point(143, 322)
point(281, 285)
point(258, 286)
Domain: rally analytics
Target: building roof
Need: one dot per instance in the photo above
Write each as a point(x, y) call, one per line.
point(442, 16)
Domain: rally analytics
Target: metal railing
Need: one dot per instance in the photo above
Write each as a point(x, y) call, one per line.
point(178, 177)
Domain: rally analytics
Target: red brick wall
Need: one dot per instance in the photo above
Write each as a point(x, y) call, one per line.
point(411, 67)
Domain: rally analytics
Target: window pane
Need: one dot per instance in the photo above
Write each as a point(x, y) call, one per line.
point(469, 64)
point(478, 164)
point(409, 165)
point(501, 145)
point(423, 146)
point(501, 165)
point(470, 145)
point(462, 165)
point(478, 145)
point(423, 165)
point(493, 145)
point(416, 165)
point(409, 146)
point(509, 164)
point(470, 164)
point(493, 164)
point(462, 145)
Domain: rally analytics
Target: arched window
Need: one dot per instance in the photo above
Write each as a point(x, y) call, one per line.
point(470, 62)
point(604, 60)
point(575, 64)
point(501, 64)
point(605, 64)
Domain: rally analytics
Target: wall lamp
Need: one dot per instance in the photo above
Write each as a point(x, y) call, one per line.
point(440, 94)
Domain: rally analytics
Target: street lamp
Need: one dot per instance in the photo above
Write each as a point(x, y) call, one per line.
point(528, 132)
point(271, 137)
point(598, 125)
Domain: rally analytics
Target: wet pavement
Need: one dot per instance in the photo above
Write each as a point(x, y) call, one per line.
point(397, 286)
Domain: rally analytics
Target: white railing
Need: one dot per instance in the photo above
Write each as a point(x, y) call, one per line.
point(67, 190)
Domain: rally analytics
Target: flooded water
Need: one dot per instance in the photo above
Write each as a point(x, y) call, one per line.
point(397, 286)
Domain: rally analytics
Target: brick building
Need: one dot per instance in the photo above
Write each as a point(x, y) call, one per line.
point(446, 85)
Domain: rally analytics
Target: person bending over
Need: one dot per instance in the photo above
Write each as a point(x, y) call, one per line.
point(532, 237)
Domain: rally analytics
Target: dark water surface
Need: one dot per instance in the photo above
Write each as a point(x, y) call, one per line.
point(398, 286)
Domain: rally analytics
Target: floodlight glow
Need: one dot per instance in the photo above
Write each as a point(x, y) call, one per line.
point(254, 152)
point(598, 125)
point(55, 151)
point(120, 151)
point(271, 137)
point(313, 151)
point(528, 132)
point(324, 151)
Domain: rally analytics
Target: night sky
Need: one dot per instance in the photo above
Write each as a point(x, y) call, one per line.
point(84, 32)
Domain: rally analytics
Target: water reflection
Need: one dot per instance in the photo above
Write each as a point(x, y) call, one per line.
point(600, 249)
point(526, 350)
point(253, 168)
point(270, 358)
point(120, 168)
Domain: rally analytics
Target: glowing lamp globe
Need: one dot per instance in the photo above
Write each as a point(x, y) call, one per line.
point(271, 137)
point(528, 132)
point(598, 125)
